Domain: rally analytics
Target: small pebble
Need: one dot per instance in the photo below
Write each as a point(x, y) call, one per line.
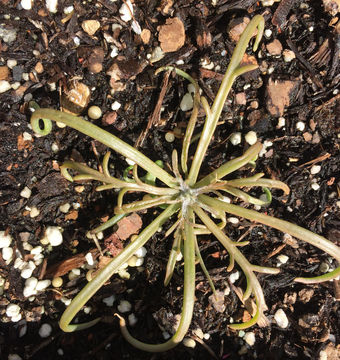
point(315, 169)
point(235, 138)
point(26, 193)
point(249, 338)
point(281, 319)
point(57, 281)
point(94, 112)
point(45, 330)
point(5, 240)
point(124, 306)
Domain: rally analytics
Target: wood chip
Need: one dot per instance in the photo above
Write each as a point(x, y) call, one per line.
point(172, 35)
point(279, 93)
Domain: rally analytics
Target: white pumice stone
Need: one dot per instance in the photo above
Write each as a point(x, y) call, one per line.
point(141, 252)
point(27, 136)
point(52, 5)
point(315, 169)
point(45, 330)
point(268, 33)
point(188, 342)
point(300, 125)
point(12, 310)
point(251, 137)
point(11, 63)
point(116, 105)
point(31, 282)
point(281, 319)
point(249, 338)
point(283, 259)
point(19, 263)
point(130, 162)
point(28, 292)
point(139, 261)
point(108, 301)
point(315, 186)
point(124, 274)
point(37, 250)
point(27, 271)
point(199, 333)
point(34, 212)
point(68, 9)
point(187, 102)
point(323, 355)
point(14, 357)
point(65, 208)
point(281, 122)
point(124, 306)
point(235, 138)
point(7, 254)
point(234, 276)
point(89, 259)
point(54, 235)
point(132, 319)
point(126, 11)
point(241, 333)
point(132, 261)
point(5, 240)
point(43, 284)
point(26, 193)
point(233, 220)
point(26, 4)
point(65, 300)
point(4, 86)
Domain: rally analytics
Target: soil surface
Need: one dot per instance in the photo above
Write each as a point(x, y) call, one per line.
point(291, 101)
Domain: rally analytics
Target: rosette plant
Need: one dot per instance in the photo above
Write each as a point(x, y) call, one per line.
point(194, 203)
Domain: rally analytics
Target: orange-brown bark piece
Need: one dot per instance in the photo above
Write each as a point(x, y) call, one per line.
point(172, 35)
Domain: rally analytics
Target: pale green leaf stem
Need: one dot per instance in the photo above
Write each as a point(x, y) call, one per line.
point(95, 284)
